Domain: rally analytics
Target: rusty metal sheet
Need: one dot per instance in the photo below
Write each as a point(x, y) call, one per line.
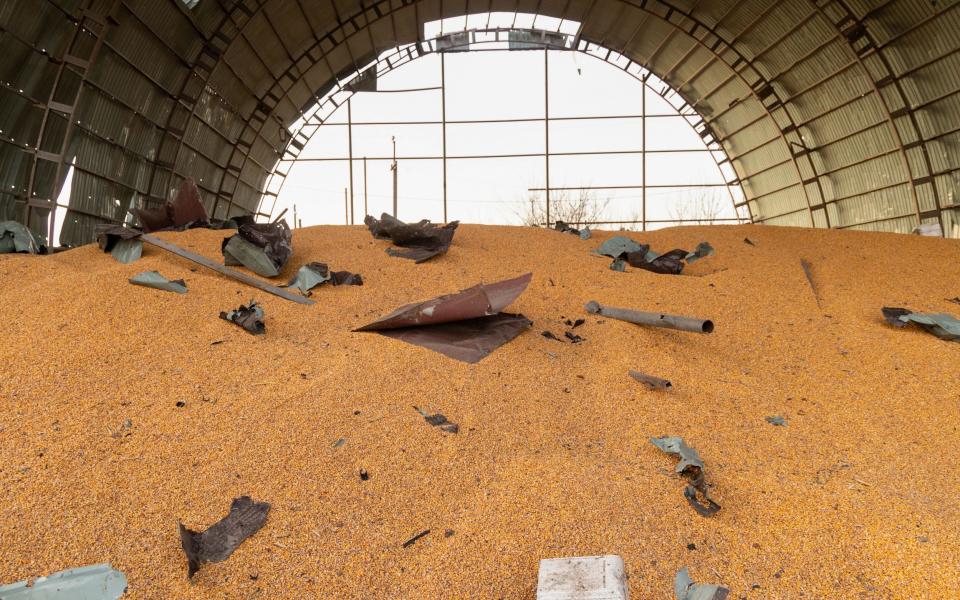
point(186, 208)
point(465, 326)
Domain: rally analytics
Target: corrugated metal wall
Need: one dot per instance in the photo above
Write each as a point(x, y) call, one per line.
point(840, 113)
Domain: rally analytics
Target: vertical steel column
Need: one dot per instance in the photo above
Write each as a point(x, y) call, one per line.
point(346, 207)
point(643, 153)
point(350, 152)
point(366, 210)
point(546, 126)
point(443, 119)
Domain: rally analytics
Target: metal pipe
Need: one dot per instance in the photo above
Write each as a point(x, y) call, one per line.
point(651, 319)
point(654, 383)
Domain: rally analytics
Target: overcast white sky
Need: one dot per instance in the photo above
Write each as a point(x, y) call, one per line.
point(501, 85)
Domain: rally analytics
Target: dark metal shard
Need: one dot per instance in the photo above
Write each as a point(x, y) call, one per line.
point(217, 543)
point(421, 241)
point(186, 208)
point(264, 248)
point(691, 467)
point(414, 539)
point(249, 317)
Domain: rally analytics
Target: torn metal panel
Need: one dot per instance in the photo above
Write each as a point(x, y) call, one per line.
point(264, 248)
point(186, 208)
point(309, 276)
point(314, 274)
point(15, 237)
point(469, 340)
point(123, 243)
point(96, 582)
point(945, 327)
point(776, 420)
point(249, 317)
point(217, 543)
point(685, 589)
point(617, 246)
point(465, 326)
point(691, 467)
point(479, 301)
point(420, 241)
point(154, 279)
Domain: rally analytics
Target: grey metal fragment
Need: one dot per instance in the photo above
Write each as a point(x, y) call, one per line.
point(127, 251)
point(585, 233)
point(675, 445)
point(238, 251)
point(309, 276)
point(15, 237)
point(776, 420)
point(95, 582)
point(154, 279)
point(617, 246)
point(703, 250)
point(685, 589)
point(944, 326)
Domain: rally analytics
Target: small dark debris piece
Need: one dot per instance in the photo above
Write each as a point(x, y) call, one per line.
point(254, 576)
point(181, 403)
point(339, 443)
point(776, 421)
point(574, 338)
point(691, 546)
point(578, 323)
point(345, 278)
point(217, 543)
point(550, 336)
point(564, 227)
point(955, 300)
point(654, 383)
point(249, 317)
point(364, 476)
point(216, 342)
point(438, 420)
point(449, 533)
point(414, 539)
point(748, 242)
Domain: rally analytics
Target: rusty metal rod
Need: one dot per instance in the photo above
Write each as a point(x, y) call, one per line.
point(651, 319)
point(654, 383)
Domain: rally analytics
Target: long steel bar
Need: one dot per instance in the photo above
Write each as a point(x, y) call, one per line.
point(242, 277)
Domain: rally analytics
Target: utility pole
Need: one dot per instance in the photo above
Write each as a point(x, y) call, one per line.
point(295, 216)
point(350, 154)
point(366, 211)
point(393, 167)
point(346, 207)
point(546, 125)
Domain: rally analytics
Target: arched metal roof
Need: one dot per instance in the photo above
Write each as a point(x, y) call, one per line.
point(834, 113)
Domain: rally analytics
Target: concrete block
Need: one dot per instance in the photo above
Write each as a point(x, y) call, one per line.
point(583, 578)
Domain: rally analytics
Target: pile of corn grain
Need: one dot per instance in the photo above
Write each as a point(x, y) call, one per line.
point(855, 497)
